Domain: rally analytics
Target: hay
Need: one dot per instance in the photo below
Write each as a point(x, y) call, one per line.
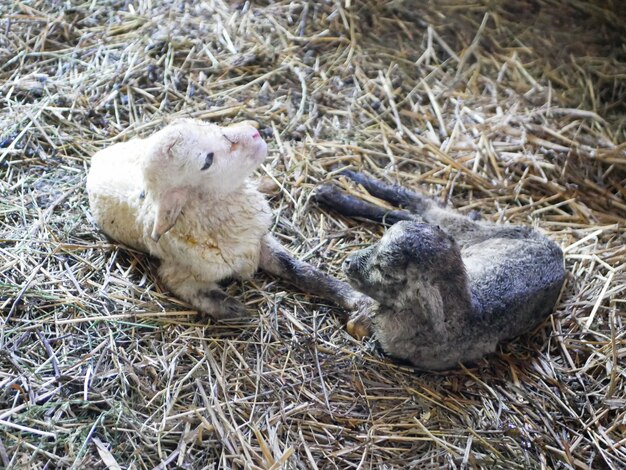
point(513, 109)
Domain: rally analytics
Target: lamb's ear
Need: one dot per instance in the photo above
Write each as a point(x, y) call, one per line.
point(168, 208)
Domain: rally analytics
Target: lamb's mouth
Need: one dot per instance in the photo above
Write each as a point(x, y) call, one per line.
point(354, 265)
point(258, 151)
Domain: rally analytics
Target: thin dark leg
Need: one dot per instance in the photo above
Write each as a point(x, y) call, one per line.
point(278, 261)
point(334, 198)
point(424, 209)
point(395, 194)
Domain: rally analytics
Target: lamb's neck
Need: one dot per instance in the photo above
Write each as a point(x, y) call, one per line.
point(222, 194)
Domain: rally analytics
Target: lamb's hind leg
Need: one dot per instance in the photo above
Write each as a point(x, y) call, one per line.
point(207, 298)
point(393, 193)
point(430, 211)
point(334, 198)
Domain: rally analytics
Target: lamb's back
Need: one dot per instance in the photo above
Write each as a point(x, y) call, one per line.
point(515, 282)
point(114, 185)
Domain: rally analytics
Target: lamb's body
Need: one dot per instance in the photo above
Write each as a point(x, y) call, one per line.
point(448, 288)
point(183, 195)
point(215, 237)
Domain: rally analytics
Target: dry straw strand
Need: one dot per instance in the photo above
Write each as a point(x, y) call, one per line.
point(512, 109)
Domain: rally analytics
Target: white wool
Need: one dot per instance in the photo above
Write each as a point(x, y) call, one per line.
point(203, 224)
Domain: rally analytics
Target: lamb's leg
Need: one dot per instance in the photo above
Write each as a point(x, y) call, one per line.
point(457, 225)
point(207, 298)
point(393, 193)
point(276, 260)
point(334, 198)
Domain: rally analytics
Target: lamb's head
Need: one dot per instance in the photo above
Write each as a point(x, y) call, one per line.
point(409, 257)
point(193, 159)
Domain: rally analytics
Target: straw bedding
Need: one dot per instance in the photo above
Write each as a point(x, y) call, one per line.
point(512, 109)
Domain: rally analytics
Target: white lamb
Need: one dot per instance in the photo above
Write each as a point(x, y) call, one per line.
point(183, 195)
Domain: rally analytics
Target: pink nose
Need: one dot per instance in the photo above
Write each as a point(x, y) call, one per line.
point(256, 135)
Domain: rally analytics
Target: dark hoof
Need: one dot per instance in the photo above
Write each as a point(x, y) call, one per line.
point(360, 324)
point(359, 327)
point(220, 306)
point(327, 194)
point(232, 308)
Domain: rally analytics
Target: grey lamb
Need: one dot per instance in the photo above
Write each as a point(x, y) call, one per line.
point(447, 289)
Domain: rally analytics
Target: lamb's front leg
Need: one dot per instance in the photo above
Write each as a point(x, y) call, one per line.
point(278, 261)
point(206, 297)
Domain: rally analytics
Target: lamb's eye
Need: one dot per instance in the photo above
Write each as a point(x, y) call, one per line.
point(208, 161)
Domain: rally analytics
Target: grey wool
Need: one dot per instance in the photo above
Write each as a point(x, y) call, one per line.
point(447, 289)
